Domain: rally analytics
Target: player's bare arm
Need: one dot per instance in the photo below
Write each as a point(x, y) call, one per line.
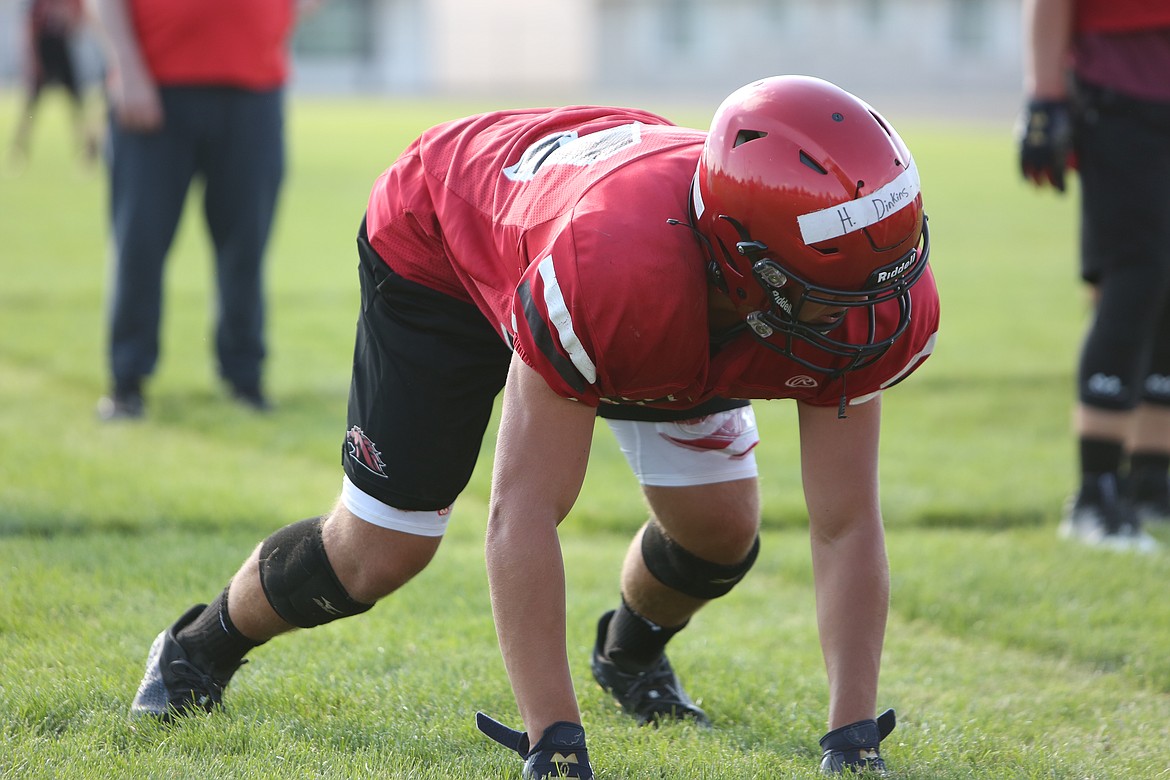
point(541, 455)
point(839, 460)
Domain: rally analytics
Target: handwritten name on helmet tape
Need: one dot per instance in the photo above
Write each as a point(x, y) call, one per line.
point(862, 212)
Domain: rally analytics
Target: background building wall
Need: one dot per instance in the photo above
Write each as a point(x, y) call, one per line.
point(512, 43)
point(883, 44)
point(956, 50)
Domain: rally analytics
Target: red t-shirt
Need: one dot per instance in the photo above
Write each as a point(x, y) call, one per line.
point(236, 43)
point(1121, 15)
point(1124, 45)
point(554, 223)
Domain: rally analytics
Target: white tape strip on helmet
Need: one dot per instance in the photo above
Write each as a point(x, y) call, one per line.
point(862, 212)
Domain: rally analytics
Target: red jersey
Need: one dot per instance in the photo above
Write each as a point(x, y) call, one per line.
point(234, 43)
point(554, 222)
point(1121, 15)
point(1124, 46)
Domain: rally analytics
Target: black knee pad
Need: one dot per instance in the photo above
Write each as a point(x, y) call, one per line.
point(298, 579)
point(1128, 325)
point(1156, 384)
point(678, 568)
point(1156, 390)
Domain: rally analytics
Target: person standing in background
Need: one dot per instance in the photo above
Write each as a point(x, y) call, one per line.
point(51, 27)
point(1097, 82)
point(195, 89)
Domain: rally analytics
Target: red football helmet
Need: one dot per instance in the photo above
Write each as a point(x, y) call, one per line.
point(806, 195)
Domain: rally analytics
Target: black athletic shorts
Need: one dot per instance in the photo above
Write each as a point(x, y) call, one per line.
point(1123, 154)
point(426, 371)
point(56, 64)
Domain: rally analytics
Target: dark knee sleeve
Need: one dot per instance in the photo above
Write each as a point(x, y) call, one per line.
point(678, 568)
point(1156, 382)
point(1116, 350)
point(298, 579)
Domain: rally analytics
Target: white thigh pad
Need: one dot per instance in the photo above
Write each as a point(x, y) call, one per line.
point(714, 448)
point(370, 509)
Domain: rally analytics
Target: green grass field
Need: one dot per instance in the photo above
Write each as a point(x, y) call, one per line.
point(1009, 654)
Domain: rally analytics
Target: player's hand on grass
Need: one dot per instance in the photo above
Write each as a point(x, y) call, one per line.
point(855, 748)
point(560, 752)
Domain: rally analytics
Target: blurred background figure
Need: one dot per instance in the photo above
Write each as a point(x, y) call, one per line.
point(51, 29)
point(1097, 81)
point(196, 90)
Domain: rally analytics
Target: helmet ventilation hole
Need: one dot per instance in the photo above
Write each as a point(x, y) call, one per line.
point(811, 163)
point(882, 123)
point(743, 136)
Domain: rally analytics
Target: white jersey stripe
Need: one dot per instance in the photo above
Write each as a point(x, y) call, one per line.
point(862, 212)
point(558, 314)
point(922, 355)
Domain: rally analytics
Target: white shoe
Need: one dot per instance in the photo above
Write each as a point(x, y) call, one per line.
point(1113, 527)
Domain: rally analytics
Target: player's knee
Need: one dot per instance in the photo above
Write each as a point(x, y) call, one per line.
point(1156, 390)
point(678, 568)
point(1114, 354)
point(384, 568)
point(299, 580)
point(740, 535)
point(1107, 390)
point(375, 559)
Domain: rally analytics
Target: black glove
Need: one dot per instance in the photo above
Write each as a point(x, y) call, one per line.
point(559, 753)
point(1045, 142)
point(854, 748)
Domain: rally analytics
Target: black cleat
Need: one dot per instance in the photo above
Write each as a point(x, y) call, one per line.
point(855, 748)
point(649, 696)
point(172, 685)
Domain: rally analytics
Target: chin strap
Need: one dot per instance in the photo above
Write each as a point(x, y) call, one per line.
point(714, 275)
point(844, 398)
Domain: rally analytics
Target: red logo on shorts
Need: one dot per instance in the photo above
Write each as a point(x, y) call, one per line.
point(732, 432)
point(362, 450)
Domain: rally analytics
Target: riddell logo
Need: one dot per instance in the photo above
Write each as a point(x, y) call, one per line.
point(779, 299)
point(897, 271)
point(893, 271)
point(801, 381)
point(363, 451)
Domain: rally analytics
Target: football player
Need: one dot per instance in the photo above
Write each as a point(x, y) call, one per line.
point(596, 261)
point(1096, 82)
